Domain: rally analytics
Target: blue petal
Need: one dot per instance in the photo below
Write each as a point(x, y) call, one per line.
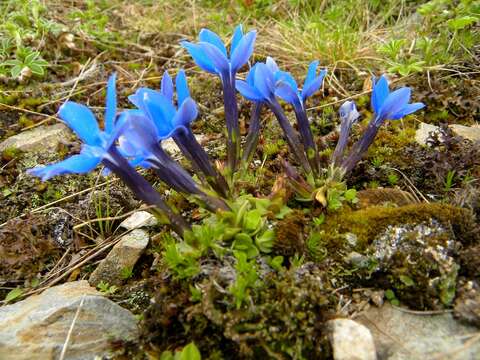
point(272, 65)
point(284, 90)
point(186, 113)
point(199, 56)
point(139, 136)
point(82, 121)
point(311, 73)
point(111, 106)
point(243, 51)
point(394, 103)
point(348, 111)
point(210, 37)
point(237, 36)
point(183, 92)
point(76, 164)
point(166, 87)
point(379, 94)
point(264, 81)
point(161, 111)
point(313, 86)
point(283, 76)
point(218, 59)
point(248, 91)
point(137, 98)
point(407, 110)
point(251, 75)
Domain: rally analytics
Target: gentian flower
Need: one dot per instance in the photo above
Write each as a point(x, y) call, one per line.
point(391, 105)
point(174, 121)
point(211, 55)
point(386, 106)
point(260, 87)
point(99, 147)
point(348, 116)
point(139, 141)
point(287, 89)
point(96, 143)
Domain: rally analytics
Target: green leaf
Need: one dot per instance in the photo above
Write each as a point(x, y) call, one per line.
point(16, 70)
point(36, 69)
point(242, 242)
point(13, 294)
point(252, 220)
point(351, 196)
point(264, 242)
point(12, 62)
point(189, 352)
point(461, 22)
point(389, 294)
point(30, 57)
point(283, 212)
point(167, 355)
point(276, 263)
point(406, 280)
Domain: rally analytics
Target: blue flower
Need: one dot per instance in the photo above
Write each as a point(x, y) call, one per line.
point(287, 88)
point(96, 143)
point(265, 81)
point(391, 105)
point(210, 54)
point(159, 106)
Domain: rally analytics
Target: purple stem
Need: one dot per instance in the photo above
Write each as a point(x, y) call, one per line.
point(345, 128)
point(253, 133)
point(143, 190)
point(307, 137)
point(290, 135)
point(231, 117)
point(194, 151)
point(361, 146)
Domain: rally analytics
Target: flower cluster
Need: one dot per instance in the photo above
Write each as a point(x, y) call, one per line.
point(133, 138)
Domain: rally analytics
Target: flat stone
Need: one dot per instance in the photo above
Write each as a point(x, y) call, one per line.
point(138, 220)
point(37, 327)
point(172, 148)
point(124, 255)
point(350, 340)
point(402, 335)
point(423, 133)
point(467, 132)
point(41, 138)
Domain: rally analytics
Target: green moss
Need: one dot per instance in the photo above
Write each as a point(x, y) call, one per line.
point(367, 223)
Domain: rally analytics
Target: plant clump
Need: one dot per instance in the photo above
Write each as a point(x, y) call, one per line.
point(283, 317)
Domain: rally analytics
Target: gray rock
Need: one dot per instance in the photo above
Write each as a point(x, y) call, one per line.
point(467, 132)
point(124, 255)
point(471, 133)
point(420, 259)
point(350, 340)
point(401, 335)
point(423, 132)
point(37, 327)
point(41, 138)
point(138, 220)
point(172, 148)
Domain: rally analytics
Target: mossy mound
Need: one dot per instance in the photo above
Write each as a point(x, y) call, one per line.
point(411, 250)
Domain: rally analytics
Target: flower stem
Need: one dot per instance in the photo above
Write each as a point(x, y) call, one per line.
point(195, 152)
point(144, 191)
point(360, 147)
point(307, 137)
point(253, 134)
point(231, 117)
point(290, 135)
